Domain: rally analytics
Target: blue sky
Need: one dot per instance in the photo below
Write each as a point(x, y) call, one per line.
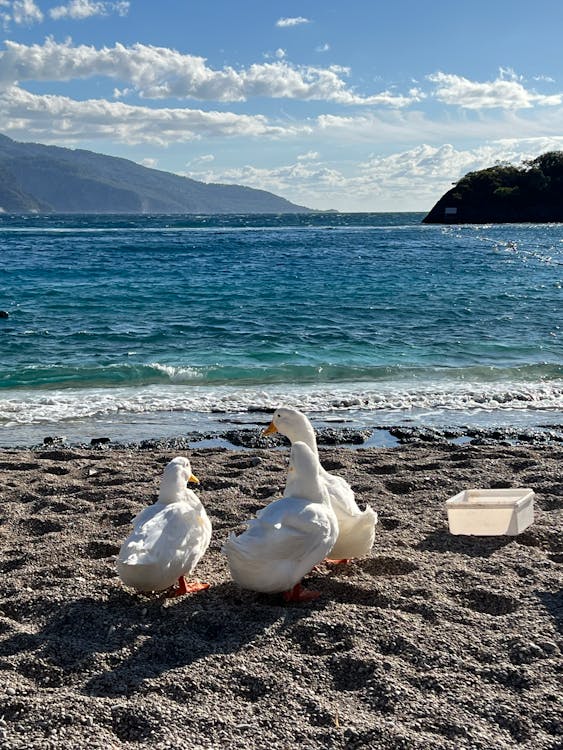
point(355, 106)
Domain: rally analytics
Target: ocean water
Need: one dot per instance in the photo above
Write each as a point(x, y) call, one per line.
point(144, 327)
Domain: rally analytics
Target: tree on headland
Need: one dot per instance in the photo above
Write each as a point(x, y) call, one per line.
point(550, 164)
point(532, 192)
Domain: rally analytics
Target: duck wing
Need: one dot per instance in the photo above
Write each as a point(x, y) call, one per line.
point(281, 545)
point(163, 535)
point(287, 529)
point(341, 495)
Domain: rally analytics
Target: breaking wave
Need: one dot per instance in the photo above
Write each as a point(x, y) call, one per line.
point(44, 406)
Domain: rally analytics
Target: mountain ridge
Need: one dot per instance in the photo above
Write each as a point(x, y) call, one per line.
point(36, 178)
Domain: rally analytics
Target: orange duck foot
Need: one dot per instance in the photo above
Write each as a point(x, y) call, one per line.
point(184, 587)
point(343, 561)
point(299, 594)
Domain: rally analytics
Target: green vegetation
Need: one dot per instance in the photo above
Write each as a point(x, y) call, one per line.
point(504, 193)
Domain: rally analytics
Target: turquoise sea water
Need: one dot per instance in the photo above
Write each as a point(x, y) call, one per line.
point(156, 325)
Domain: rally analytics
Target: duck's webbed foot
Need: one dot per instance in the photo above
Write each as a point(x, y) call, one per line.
point(183, 587)
point(299, 594)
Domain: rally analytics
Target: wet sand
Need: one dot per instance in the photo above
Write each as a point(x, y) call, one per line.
point(434, 641)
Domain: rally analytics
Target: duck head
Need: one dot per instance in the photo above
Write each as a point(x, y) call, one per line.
point(294, 425)
point(177, 473)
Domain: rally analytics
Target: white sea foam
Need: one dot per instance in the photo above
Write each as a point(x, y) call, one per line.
point(175, 373)
point(60, 406)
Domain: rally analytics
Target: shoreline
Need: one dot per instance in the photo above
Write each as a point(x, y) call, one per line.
point(432, 640)
point(237, 438)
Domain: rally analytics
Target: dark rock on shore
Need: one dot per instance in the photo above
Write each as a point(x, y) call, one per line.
point(325, 436)
point(100, 441)
point(549, 435)
point(329, 436)
point(54, 440)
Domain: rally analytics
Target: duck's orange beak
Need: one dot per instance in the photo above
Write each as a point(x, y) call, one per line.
point(270, 429)
point(193, 479)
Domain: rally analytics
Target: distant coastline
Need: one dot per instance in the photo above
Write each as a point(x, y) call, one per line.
point(39, 179)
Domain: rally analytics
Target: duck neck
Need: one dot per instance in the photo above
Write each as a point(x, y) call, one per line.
point(306, 435)
point(171, 491)
point(305, 488)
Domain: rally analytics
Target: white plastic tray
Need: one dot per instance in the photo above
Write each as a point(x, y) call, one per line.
point(491, 512)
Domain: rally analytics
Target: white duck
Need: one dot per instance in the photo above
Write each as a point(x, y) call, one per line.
point(289, 536)
point(169, 537)
point(356, 527)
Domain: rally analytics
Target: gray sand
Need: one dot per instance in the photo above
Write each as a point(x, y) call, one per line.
point(435, 641)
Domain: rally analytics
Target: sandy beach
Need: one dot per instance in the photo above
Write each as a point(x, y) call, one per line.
point(434, 641)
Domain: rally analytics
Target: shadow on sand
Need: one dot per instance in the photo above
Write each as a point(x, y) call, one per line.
point(111, 647)
point(553, 602)
point(473, 546)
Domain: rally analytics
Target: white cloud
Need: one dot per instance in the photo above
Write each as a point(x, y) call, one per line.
point(309, 156)
point(322, 48)
point(509, 74)
point(298, 179)
point(428, 171)
point(78, 10)
point(61, 118)
point(502, 93)
point(405, 180)
point(280, 53)
point(399, 127)
point(202, 159)
point(120, 93)
point(148, 162)
point(24, 12)
point(422, 166)
point(159, 72)
point(284, 23)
